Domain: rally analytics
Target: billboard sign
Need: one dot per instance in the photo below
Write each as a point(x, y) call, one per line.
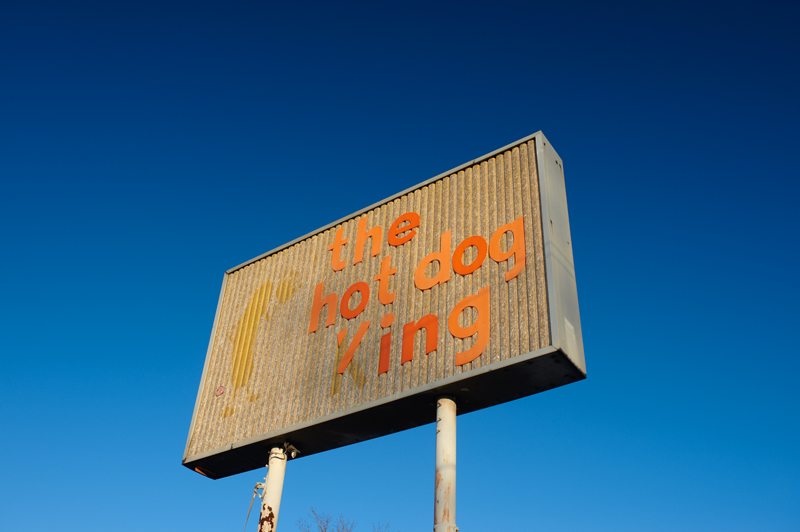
point(463, 285)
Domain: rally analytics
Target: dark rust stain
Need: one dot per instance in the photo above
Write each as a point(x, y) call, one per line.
point(268, 520)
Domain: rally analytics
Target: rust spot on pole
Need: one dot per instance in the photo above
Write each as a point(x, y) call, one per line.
point(267, 522)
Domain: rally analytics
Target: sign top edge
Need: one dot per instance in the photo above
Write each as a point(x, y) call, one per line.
point(390, 198)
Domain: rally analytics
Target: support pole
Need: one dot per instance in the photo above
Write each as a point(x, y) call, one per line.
point(271, 503)
point(444, 514)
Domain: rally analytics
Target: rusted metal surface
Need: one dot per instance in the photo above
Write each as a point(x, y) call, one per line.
point(444, 513)
point(276, 366)
point(271, 502)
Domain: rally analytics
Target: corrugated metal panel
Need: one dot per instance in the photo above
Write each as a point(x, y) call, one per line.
point(265, 371)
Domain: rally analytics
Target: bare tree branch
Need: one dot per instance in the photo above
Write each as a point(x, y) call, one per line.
point(322, 522)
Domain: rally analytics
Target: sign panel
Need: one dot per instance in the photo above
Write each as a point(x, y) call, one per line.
point(463, 286)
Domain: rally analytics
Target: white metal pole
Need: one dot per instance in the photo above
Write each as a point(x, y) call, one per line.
point(444, 514)
point(271, 503)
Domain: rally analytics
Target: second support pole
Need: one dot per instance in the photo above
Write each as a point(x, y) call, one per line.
point(444, 518)
point(273, 489)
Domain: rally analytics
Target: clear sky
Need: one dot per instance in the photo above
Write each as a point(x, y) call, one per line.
point(146, 147)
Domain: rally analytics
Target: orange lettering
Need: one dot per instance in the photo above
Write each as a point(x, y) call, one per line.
point(386, 344)
point(328, 302)
point(431, 325)
point(344, 307)
point(395, 229)
point(383, 278)
point(387, 320)
point(351, 349)
point(458, 257)
point(480, 327)
point(443, 258)
point(336, 247)
point(517, 248)
point(376, 233)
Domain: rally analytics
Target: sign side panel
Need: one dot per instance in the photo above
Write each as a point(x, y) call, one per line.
point(562, 286)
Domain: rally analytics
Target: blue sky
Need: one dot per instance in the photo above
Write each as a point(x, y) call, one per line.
point(146, 147)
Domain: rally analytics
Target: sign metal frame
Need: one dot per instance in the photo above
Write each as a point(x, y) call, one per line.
point(562, 362)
